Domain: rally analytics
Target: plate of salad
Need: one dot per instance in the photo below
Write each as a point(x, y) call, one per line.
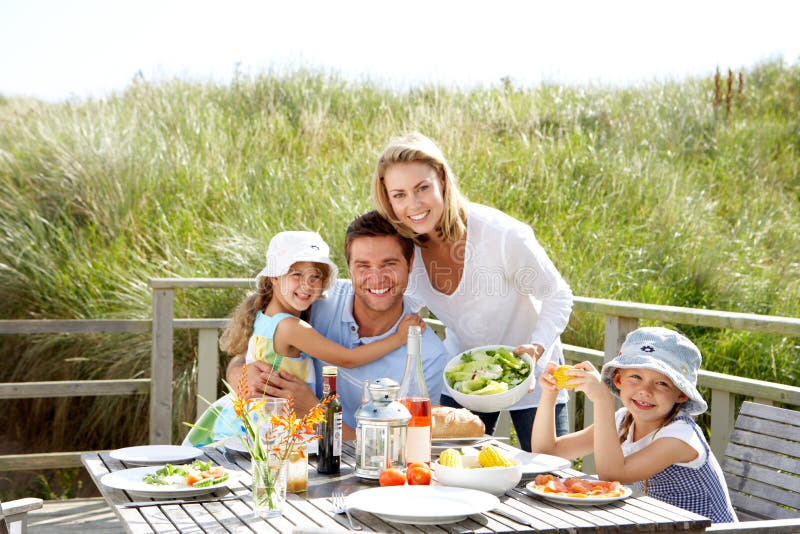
point(167, 481)
point(489, 378)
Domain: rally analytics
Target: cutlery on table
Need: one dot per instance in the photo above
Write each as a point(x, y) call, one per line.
point(224, 452)
point(176, 501)
point(514, 517)
point(340, 507)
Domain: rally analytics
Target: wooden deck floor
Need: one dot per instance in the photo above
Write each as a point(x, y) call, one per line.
point(74, 516)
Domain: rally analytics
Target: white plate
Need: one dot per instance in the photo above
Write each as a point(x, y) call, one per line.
point(422, 505)
point(455, 443)
point(580, 501)
point(156, 454)
point(535, 463)
point(130, 480)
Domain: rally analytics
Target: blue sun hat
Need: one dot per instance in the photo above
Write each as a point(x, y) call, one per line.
point(664, 351)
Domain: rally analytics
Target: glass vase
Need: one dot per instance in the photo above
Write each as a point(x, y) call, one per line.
point(269, 487)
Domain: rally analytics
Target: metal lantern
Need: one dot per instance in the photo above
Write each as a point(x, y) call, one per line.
point(381, 428)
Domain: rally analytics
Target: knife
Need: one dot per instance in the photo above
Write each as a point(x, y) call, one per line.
point(174, 501)
point(513, 517)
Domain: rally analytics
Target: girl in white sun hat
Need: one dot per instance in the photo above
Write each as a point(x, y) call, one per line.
point(270, 325)
point(651, 443)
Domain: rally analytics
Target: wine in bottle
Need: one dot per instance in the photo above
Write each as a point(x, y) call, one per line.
point(330, 445)
point(414, 395)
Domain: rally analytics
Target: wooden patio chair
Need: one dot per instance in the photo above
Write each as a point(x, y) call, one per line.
point(762, 469)
point(14, 515)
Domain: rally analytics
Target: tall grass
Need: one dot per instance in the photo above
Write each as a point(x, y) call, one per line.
point(650, 194)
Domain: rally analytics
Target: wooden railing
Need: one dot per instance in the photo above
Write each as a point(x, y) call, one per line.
point(620, 318)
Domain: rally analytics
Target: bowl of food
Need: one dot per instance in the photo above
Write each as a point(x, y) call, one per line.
point(489, 378)
point(488, 471)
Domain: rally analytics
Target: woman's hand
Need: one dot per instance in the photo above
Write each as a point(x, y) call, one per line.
point(534, 350)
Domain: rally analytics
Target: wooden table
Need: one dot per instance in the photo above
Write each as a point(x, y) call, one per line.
point(311, 511)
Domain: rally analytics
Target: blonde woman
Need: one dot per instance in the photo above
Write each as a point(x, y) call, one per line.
point(480, 271)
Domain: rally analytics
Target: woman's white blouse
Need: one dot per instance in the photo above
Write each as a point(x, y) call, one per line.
point(510, 292)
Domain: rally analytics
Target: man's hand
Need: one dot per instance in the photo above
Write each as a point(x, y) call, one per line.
point(285, 385)
point(257, 373)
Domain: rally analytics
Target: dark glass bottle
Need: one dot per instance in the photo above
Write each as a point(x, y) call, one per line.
point(414, 395)
point(330, 445)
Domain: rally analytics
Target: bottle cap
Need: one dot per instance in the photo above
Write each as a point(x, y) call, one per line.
point(330, 370)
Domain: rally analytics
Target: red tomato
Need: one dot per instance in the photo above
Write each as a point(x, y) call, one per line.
point(419, 474)
point(391, 476)
point(191, 480)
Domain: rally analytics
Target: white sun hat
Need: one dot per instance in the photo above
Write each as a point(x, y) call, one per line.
point(665, 351)
point(287, 248)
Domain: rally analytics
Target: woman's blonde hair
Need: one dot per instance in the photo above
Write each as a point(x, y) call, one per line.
point(413, 147)
point(236, 336)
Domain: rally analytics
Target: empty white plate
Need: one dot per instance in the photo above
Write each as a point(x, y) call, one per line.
point(422, 505)
point(156, 454)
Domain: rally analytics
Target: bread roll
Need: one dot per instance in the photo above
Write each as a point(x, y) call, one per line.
point(456, 423)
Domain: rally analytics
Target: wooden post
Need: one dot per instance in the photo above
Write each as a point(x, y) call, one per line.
point(161, 368)
point(588, 419)
point(571, 411)
point(503, 426)
point(207, 368)
point(616, 330)
point(722, 418)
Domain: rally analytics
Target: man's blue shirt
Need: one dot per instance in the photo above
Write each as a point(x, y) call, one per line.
point(333, 318)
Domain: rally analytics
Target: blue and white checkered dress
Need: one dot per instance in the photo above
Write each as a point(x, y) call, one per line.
point(701, 490)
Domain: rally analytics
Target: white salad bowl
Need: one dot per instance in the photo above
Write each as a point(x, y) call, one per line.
point(497, 401)
point(494, 480)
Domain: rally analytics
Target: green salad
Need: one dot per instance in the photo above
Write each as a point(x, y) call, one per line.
point(198, 474)
point(487, 372)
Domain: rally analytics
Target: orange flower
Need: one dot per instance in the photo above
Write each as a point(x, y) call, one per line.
point(293, 431)
point(286, 432)
point(242, 391)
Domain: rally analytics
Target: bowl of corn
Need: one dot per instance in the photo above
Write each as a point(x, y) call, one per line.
point(488, 471)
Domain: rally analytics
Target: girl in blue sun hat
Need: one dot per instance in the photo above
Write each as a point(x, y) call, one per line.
point(651, 443)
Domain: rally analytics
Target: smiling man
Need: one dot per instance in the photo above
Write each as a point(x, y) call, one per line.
point(356, 312)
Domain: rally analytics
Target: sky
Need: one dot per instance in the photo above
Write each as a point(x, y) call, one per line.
point(66, 50)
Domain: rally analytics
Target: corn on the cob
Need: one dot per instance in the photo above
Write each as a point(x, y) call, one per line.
point(450, 458)
point(562, 378)
point(491, 457)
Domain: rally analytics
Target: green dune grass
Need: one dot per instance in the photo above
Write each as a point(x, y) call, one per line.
point(652, 194)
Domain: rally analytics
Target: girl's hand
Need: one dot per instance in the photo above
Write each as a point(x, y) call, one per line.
point(547, 382)
point(407, 322)
point(586, 378)
point(534, 350)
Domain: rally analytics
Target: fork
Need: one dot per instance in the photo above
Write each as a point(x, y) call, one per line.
point(225, 452)
point(340, 507)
